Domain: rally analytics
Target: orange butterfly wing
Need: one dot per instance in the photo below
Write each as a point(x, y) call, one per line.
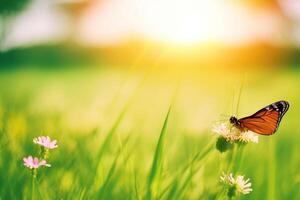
point(266, 123)
point(266, 120)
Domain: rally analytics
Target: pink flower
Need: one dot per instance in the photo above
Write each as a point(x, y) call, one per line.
point(45, 142)
point(34, 163)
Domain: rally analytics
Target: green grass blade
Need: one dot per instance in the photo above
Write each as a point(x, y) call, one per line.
point(109, 182)
point(108, 178)
point(158, 155)
point(106, 143)
point(271, 172)
point(137, 197)
point(186, 174)
point(239, 97)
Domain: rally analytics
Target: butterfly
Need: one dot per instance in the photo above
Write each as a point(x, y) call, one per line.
point(265, 121)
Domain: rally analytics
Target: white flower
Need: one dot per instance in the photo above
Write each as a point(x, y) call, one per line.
point(221, 129)
point(236, 185)
point(227, 179)
point(243, 186)
point(232, 134)
point(248, 136)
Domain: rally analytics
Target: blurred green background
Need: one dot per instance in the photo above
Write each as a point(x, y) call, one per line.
point(101, 82)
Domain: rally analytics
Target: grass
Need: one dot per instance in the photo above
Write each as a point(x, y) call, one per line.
point(143, 136)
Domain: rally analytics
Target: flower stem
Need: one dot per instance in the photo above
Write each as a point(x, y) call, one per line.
point(239, 157)
point(235, 158)
point(33, 188)
point(230, 157)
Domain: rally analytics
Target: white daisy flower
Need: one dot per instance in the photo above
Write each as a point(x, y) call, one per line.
point(232, 134)
point(221, 129)
point(243, 186)
point(236, 185)
point(248, 136)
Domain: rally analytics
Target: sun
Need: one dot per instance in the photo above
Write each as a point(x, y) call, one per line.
point(183, 21)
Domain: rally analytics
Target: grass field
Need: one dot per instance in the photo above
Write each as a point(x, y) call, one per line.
point(143, 134)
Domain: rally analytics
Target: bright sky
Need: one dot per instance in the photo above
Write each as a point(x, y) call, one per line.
point(170, 21)
point(177, 21)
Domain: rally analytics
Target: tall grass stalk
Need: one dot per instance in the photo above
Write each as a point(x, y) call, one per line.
point(113, 173)
point(186, 174)
point(271, 195)
point(157, 159)
point(136, 191)
point(112, 131)
point(108, 139)
point(239, 96)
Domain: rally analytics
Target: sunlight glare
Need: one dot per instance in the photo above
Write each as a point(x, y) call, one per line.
point(183, 21)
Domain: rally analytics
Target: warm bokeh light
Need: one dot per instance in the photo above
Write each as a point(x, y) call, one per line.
point(178, 21)
point(183, 22)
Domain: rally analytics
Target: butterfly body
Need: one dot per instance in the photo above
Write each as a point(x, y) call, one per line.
point(237, 124)
point(265, 121)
